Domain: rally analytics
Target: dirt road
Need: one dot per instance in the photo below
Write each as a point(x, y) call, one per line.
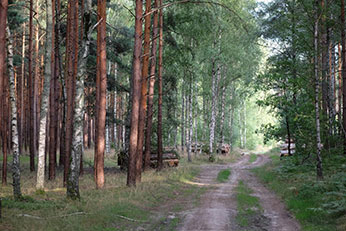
point(218, 207)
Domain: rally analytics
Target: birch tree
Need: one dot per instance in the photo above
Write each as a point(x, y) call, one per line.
point(14, 123)
point(45, 97)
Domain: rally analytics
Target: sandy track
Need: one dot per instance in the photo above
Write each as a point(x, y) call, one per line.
point(218, 207)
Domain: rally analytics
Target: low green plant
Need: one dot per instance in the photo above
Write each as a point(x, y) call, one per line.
point(223, 175)
point(253, 158)
point(247, 204)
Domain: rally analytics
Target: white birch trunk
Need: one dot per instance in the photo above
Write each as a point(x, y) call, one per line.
point(45, 96)
point(222, 115)
point(182, 117)
point(115, 103)
point(14, 123)
point(244, 116)
point(213, 110)
point(190, 124)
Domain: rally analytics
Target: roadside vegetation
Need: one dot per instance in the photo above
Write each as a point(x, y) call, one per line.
point(317, 204)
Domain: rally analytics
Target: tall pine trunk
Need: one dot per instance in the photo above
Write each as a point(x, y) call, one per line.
point(136, 95)
point(3, 19)
point(148, 131)
point(144, 91)
point(343, 58)
point(31, 92)
point(101, 99)
point(159, 110)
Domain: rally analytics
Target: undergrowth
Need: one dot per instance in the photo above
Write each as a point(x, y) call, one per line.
point(318, 205)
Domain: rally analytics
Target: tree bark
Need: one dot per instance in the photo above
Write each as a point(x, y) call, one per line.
point(14, 123)
point(136, 94)
point(213, 108)
point(159, 111)
point(31, 92)
point(71, 73)
point(53, 103)
point(144, 91)
point(182, 117)
point(102, 89)
point(77, 140)
point(343, 58)
point(317, 111)
point(3, 19)
point(190, 123)
point(45, 94)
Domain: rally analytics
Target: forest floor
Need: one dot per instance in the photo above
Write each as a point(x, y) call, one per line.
point(241, 203)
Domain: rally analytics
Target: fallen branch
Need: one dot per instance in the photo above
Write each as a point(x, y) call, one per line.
point(41, 218)
point(129, 219)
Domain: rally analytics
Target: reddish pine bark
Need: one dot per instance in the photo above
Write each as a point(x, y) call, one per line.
point(101, 99)
point(3, 19)
point(343, 72)
point(53, 102)
point(159, 113)
point(71, 73)
point(144, 92)
point(136, 95)
point(148, 131)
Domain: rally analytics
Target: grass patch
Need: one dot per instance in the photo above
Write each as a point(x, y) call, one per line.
point(253, 158)
point(223, 175)
point(248, 205)
point(103, 209)
point(317, 205)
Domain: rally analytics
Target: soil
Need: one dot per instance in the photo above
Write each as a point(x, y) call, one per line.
point(217, 209)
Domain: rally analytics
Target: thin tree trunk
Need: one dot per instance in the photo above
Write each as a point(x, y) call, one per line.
point(53, 103)
point(340, 83)
point(213, 108)
point(144, 91)
point(22, 86)
point(317, 110)
point(45, 94)
point(36, 81)
point(159, 111)
point(14, 123)
point(223, 98)
point(31, 93)
point(77, 139)
point(71, 66)
point(3, 19)
point(136, 95)
point(102, 89)
point(182, 117)
point(343, 58)
point(190, 123)
point(148, 131)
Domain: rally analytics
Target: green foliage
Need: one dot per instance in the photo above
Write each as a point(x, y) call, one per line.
point(318, 205)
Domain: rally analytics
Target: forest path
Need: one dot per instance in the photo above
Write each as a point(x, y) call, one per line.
point(218, 206)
